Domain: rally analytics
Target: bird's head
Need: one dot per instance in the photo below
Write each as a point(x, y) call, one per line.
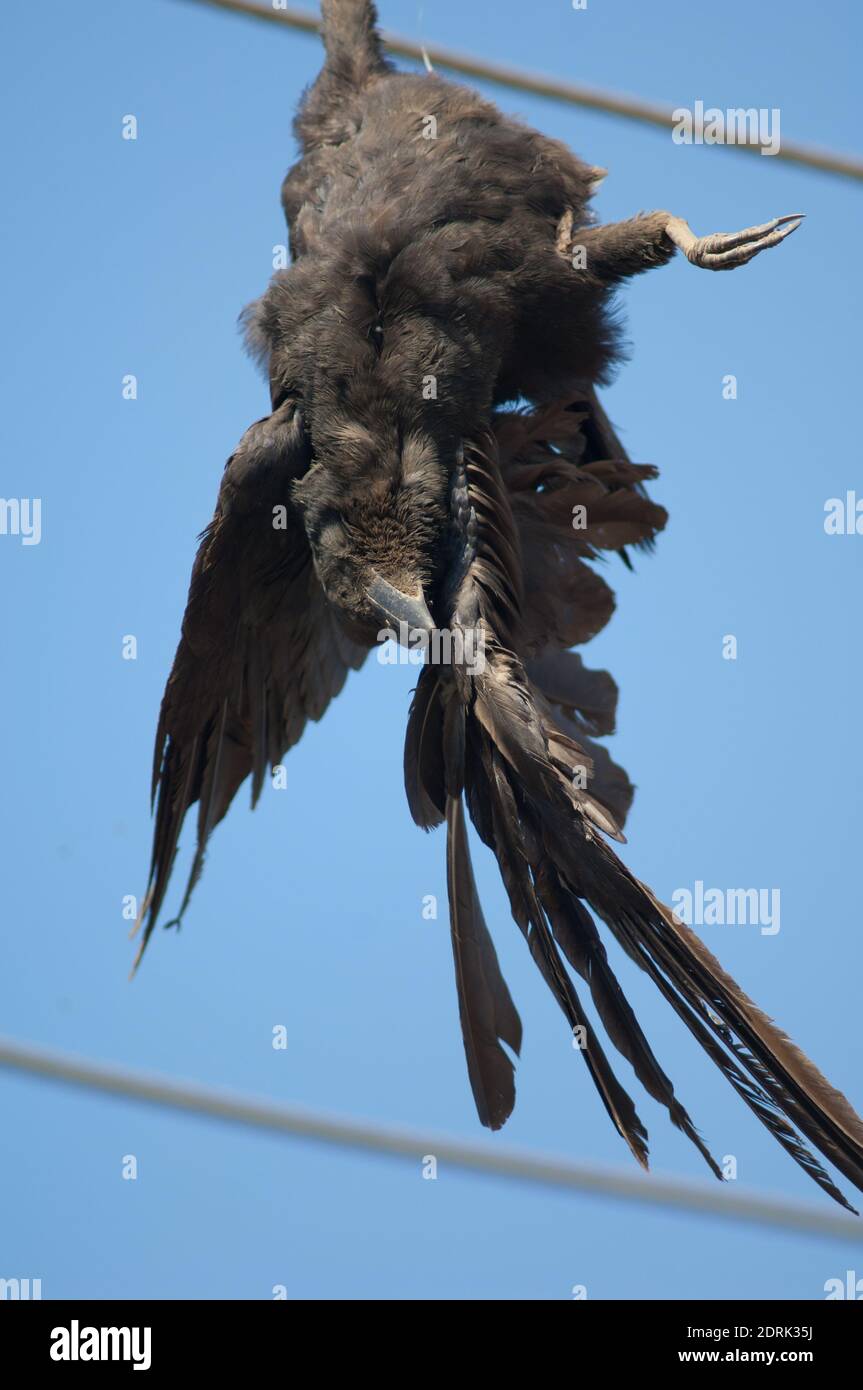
point(376, 517)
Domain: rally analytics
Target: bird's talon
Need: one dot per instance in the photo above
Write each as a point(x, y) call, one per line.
point(727, 250)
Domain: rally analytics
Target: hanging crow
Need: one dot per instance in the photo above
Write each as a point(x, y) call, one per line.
point(446, 262)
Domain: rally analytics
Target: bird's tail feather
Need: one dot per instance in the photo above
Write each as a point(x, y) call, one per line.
point(494, 736)
point(486, 1011)
point(549, 840)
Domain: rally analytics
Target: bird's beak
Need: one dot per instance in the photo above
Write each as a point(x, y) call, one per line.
point(405, 612)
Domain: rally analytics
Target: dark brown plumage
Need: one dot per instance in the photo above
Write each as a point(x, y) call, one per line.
point(435, 279)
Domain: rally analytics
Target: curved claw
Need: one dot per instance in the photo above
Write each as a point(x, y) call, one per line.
point(727, 250)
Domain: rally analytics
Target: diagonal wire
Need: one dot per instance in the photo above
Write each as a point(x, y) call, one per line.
point(553, 88)
point(522, 1166)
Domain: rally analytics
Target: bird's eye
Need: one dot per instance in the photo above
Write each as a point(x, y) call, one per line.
point(332, 536)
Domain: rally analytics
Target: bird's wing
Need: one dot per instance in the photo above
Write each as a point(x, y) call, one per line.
point(260, 652)
point(505, 750)
point(574, 494)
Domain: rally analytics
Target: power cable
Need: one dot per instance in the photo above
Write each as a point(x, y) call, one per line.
point(553, 88)
point(521, 1166)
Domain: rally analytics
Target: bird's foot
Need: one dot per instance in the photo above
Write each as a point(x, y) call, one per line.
point(727, 250)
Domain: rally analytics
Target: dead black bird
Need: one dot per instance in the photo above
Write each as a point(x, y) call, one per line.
point(445, 262)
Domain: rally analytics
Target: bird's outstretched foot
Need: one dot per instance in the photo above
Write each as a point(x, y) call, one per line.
point(727, 250)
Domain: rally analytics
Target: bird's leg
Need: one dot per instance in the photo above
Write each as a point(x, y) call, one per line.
point(620, 249)
point(355, 58)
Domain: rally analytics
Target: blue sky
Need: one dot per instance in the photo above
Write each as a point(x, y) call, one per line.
point(136, 257)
